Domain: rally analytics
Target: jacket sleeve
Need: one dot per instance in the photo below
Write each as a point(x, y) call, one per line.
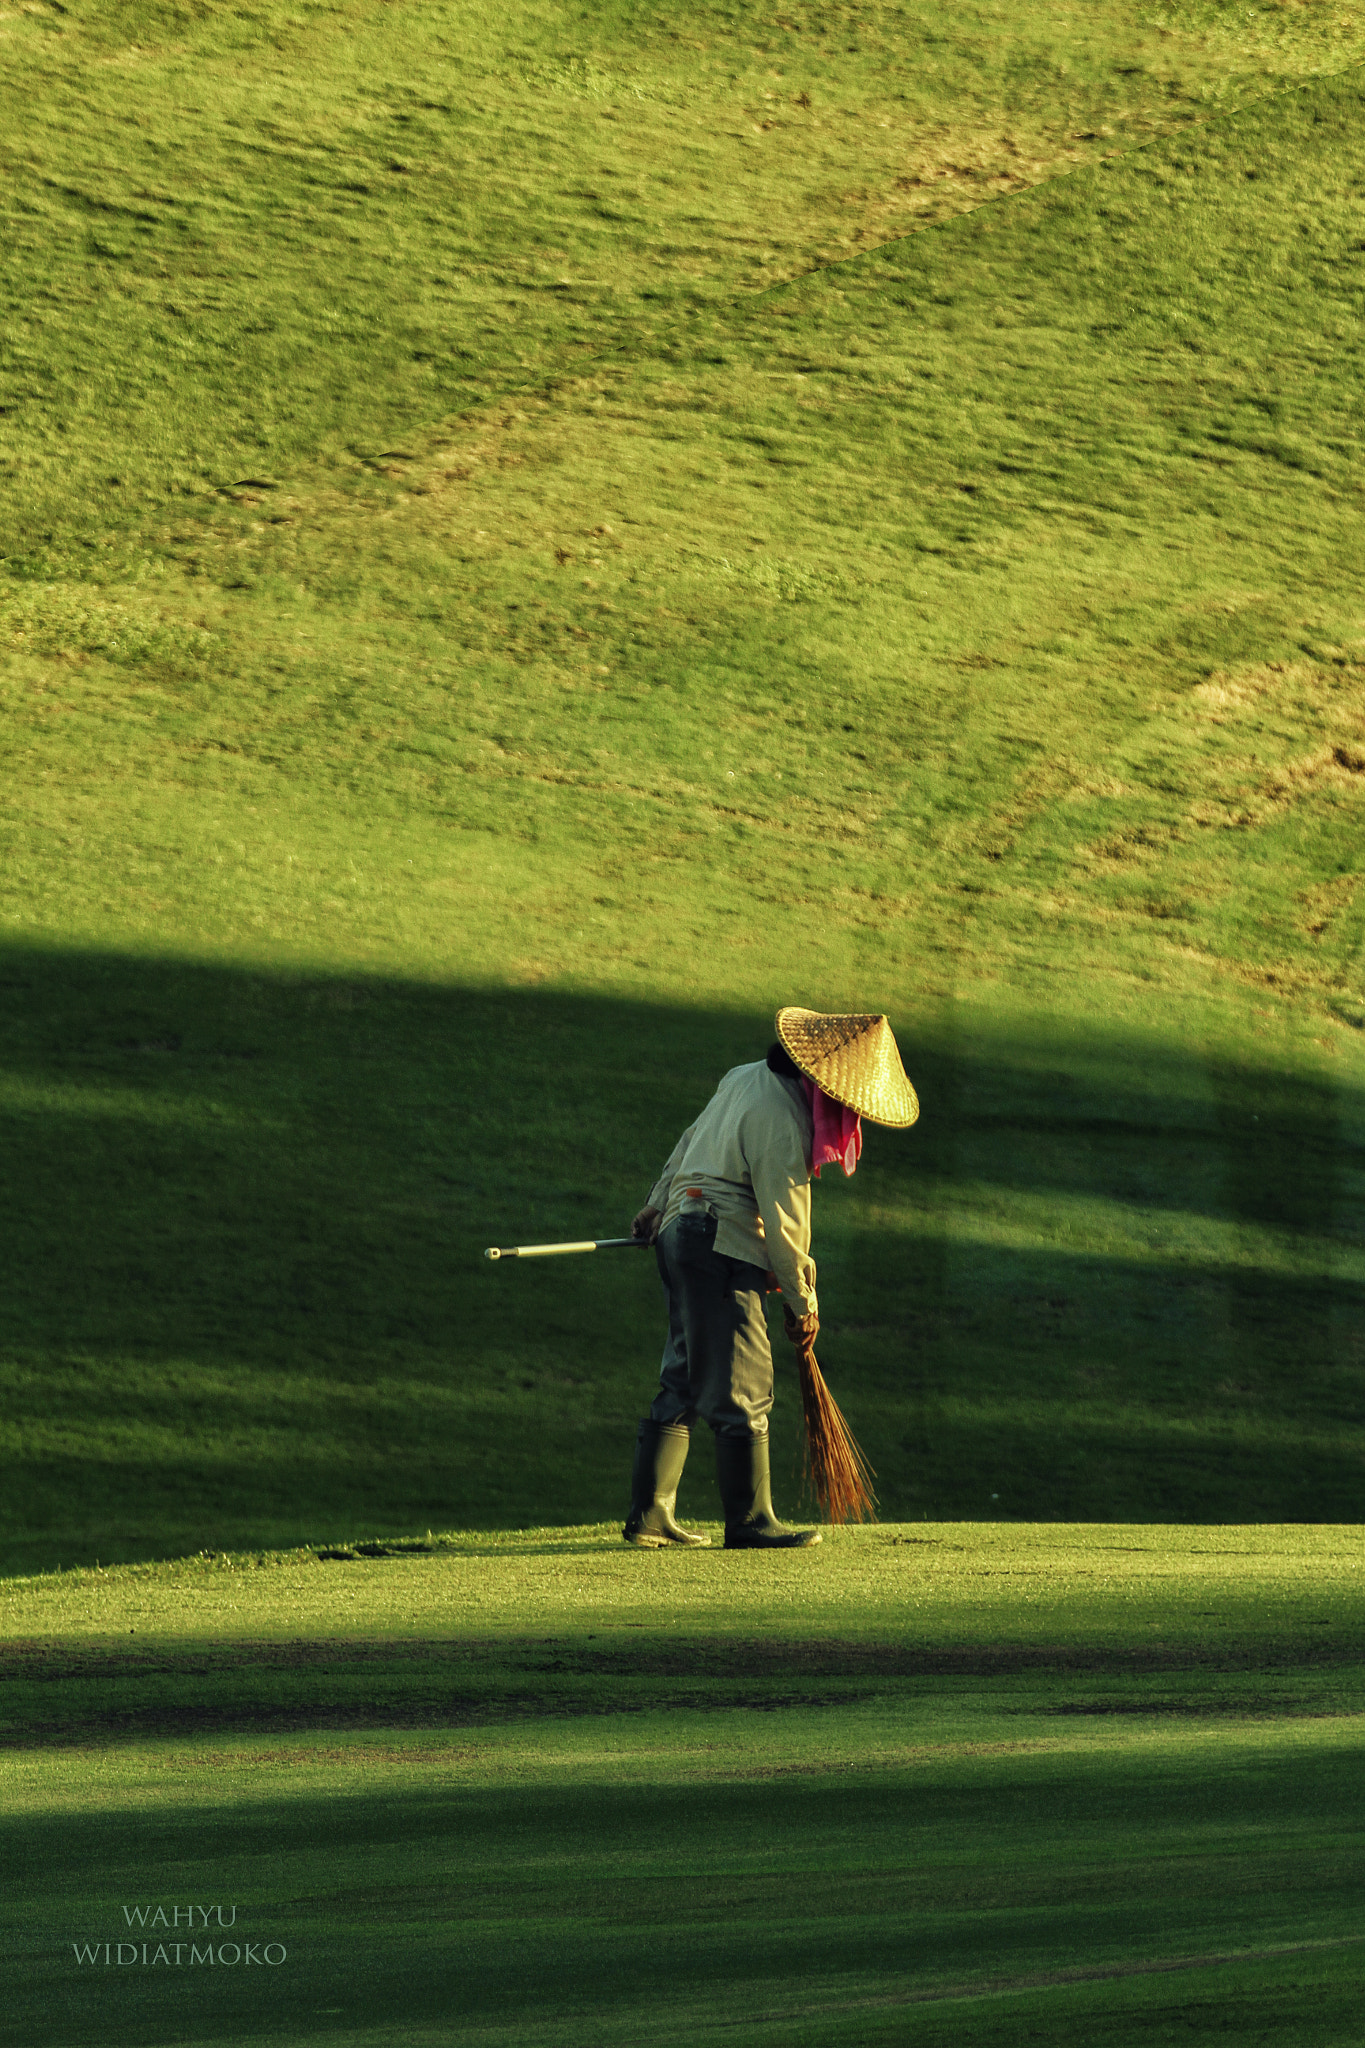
point(658, 1194)
point(780, 1173)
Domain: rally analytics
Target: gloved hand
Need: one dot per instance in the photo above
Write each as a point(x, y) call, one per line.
point(646, 1225)
point(801, 1330)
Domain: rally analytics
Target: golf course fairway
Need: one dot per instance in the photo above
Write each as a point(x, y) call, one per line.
point(929, 1782)
point(529, 538)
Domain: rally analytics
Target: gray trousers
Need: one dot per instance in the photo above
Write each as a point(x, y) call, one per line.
point(718, 1363)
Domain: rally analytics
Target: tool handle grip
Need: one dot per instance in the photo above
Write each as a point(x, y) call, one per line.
point(549, 1251)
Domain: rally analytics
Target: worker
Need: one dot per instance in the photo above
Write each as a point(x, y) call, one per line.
point(729, 1217)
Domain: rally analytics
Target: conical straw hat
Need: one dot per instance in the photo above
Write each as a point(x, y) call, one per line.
point(855, 1060)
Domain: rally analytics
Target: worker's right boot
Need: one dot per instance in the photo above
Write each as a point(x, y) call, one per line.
point(746, 1495)
point(660, 1454)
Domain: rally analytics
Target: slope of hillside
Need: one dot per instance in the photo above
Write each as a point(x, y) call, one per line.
point(458, 682)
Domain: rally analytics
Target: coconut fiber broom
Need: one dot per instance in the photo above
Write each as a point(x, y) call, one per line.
point(834, 1467)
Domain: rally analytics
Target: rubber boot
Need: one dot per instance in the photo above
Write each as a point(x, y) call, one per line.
point(660, 1454)
point(746, 1494)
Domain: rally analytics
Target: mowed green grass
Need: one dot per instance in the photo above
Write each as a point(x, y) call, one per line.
point(928, 1782)
point(531, 544)
point(252, 1306)
point(528, 543)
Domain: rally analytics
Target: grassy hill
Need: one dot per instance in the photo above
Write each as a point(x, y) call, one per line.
point(529, 544)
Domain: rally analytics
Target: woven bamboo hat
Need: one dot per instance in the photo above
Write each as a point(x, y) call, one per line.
point(855, 1060)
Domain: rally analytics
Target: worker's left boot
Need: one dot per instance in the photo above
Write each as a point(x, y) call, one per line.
point(660, 1454)
point(746, 1495)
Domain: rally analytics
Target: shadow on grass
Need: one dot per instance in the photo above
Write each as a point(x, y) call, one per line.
point(742, 1892)
point(245, 1212)
point(78, 1697)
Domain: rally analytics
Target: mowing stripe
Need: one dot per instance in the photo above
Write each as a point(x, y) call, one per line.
point(1049, 1980)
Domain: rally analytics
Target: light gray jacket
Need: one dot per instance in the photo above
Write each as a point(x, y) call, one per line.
point(746, 1159)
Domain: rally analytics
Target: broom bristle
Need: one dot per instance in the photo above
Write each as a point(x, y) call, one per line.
point(836, 1470)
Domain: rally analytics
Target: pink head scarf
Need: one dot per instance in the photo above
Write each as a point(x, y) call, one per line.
point(838, 1131)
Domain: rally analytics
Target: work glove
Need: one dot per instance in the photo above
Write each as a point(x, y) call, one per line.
point(801, 1330)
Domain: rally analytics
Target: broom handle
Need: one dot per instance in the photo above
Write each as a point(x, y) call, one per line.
point(550, 1251)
